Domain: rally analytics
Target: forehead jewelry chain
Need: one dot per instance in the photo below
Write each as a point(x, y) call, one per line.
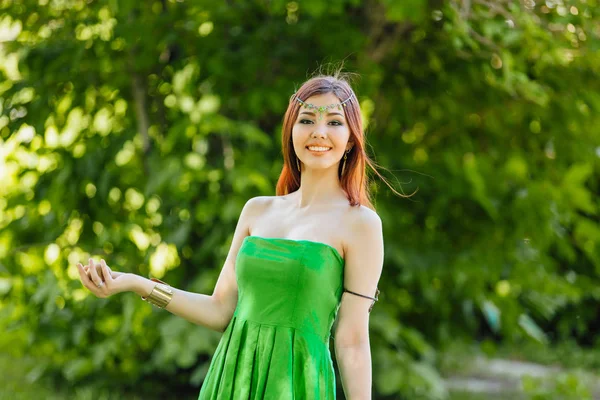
point(323, 109)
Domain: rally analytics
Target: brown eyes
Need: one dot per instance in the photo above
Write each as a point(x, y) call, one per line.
point(308, 121)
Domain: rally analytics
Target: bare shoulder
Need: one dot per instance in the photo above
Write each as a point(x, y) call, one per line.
point(363, 219)
point(363, 231)
point(257, 204)
point(255, 207)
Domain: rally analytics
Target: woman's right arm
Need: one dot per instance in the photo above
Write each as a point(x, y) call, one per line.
point(214, 311)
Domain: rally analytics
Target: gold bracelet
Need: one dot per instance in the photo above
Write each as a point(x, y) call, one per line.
point(161, 294)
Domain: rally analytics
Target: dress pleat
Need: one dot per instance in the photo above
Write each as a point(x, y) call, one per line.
point(231, 360)
point(243, 375)
point(265, 353)
point(217, 365)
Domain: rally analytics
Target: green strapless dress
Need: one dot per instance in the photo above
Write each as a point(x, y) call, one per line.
point(276, 346)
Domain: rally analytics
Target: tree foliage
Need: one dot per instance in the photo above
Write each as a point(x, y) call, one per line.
point(137, 131)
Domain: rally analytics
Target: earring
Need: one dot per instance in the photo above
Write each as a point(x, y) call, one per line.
point(344, 164)
point(298, 164)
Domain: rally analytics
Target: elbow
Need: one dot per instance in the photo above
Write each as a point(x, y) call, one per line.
point(217, 326)
point(223, 326)
point(353, 354)
point(224, 321)
point(351, 342)
point(223, 315)
point(343, 346)
point(351, 337)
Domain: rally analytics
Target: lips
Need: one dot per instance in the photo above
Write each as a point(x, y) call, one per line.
point(318, 149)
point(318, 145)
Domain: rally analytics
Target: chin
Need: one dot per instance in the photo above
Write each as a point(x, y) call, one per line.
point(319, 167)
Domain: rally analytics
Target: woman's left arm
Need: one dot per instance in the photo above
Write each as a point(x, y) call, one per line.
point(363, 266)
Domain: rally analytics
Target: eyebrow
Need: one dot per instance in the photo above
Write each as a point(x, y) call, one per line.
point(313, 114)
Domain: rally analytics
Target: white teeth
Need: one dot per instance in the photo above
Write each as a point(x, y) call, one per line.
point(314, 148)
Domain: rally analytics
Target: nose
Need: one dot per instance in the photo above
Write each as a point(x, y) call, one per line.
point(318, 133)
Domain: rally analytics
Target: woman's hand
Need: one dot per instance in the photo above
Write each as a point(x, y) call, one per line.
point(101, 280)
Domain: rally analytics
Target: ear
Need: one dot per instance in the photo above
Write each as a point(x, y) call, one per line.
point(350, 145)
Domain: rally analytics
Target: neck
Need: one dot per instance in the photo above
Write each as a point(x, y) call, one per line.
point(318, 187)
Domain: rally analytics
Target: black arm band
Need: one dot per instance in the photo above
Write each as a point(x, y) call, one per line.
point(366, 297)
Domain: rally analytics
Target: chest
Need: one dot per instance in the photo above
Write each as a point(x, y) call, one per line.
point(318, 227)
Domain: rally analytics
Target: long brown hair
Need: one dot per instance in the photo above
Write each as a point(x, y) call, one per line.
point(354, 181)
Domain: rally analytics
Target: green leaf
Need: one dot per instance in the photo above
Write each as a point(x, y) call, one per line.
point(532, 329)
point(492, 315)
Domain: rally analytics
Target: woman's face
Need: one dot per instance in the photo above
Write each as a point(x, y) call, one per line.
point(328, 131)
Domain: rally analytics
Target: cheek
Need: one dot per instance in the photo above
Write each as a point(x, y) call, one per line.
point(297, 139)
point(341, 137)
point(300, 134)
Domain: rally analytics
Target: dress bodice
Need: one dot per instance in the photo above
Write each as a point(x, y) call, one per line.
point(286, 282)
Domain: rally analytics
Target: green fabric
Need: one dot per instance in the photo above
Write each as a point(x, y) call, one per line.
point(277, 343)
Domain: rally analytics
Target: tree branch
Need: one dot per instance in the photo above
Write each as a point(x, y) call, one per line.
point(383, 36)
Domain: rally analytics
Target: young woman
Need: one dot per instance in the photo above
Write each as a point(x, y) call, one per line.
point(302, 264)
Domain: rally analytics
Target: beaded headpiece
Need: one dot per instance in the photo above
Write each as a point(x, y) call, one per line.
point(323, 109)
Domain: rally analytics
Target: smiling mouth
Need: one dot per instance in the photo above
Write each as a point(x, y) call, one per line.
point(318, 149)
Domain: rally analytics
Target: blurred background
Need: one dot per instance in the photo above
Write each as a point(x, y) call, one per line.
point(136, 131)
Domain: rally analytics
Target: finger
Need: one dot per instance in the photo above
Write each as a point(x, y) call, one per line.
point(99, 272)
point(89, 274)
point(98, 269)
point(95, 277)
point(82, 272)
point(113, 274)
point(106, 272)
point(85, 279)
point(102, 260)
point(86, 268)
point(89, 267)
